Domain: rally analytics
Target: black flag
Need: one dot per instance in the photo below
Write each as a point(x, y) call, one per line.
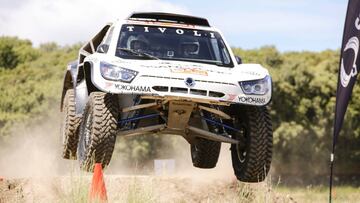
point(349, 68)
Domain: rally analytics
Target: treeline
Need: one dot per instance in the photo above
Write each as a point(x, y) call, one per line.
point(302, 106)
point(30, 80)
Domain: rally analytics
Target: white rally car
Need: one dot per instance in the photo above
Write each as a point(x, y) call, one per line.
point(167, 74)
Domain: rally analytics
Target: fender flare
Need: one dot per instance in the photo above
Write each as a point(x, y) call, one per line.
point(78, 77)
point(68, 81)
point(84, 87)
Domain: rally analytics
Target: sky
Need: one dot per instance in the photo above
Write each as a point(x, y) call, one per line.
point(290, 25)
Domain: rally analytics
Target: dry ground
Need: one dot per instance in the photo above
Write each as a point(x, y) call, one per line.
point(135, 189)
point(33, 171)
point(162, 189)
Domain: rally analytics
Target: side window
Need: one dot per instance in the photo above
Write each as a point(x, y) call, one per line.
point(104, 45)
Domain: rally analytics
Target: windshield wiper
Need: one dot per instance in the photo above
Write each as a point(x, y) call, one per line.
point(141, 54)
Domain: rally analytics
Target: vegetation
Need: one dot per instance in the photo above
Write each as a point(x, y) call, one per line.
point(302, 107)
point(30, 80)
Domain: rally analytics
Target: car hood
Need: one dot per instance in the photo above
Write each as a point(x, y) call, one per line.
point(200, 71)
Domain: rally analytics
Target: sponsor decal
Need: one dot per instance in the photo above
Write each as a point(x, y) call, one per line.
point(179, 31)
point(252, 100)
point(231, 97)
point(195, 71)
point(189, 82)
point(179, 68)
point(251, 73)
point(108, 84)
point(132, 88)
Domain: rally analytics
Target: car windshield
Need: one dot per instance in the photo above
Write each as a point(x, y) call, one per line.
point(168, 43)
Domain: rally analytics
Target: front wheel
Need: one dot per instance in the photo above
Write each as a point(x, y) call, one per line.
point(98, 130)
point(251, 161)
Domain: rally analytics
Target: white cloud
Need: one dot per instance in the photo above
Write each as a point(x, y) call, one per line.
point(70, 21)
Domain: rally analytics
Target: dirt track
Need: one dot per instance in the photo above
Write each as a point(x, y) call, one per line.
point(130, 189)
point(34, 172)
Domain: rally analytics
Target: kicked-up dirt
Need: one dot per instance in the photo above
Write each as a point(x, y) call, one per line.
point(121, 188)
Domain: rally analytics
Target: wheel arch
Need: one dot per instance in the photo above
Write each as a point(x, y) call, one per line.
point(68, 81)
point(83, 87)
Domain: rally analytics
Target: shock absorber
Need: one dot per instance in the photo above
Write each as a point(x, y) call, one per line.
point(212, 126)
point(132, 124)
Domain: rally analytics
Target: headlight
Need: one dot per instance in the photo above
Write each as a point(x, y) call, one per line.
point(112, 72)
point(258, 87)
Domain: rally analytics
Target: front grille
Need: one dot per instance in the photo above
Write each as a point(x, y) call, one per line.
point(216, 94)
point(161, 88)
point(179, 90)
point(198, 92)
point(183, 90)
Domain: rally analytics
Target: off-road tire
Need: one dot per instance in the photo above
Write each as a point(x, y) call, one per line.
point(70, 126)
point(98, 130)
point(254, 165)
point(205, 153)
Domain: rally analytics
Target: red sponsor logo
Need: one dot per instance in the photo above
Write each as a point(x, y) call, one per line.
point(108, 84)
point(231, 97)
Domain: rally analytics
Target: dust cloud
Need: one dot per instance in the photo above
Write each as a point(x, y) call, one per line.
point(223, 170)
point(31, 161)
point(35, 151)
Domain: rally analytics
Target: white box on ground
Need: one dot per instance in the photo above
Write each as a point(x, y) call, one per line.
point(164, 166)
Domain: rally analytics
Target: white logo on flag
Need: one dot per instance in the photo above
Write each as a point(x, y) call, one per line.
point(353, 44)
point(357, 23)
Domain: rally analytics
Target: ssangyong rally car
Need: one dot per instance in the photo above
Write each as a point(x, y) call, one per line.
point(161, 73)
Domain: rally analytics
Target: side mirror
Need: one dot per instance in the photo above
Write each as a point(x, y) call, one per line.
point(238, 59)
point(103, 48)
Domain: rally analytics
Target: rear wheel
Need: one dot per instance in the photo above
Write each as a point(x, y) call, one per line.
point(70, 126)
point(251, 162)
point(205, 153)
point(98, 130)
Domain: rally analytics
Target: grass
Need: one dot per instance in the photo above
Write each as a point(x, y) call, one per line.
point(138, 193)
point(320, 193)
point(139, 190)
point(77, 189)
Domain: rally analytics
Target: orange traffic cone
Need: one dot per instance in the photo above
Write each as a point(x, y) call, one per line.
point(98, 190)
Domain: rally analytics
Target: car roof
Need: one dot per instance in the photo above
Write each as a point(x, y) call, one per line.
point(167, 20)
point(170, 17)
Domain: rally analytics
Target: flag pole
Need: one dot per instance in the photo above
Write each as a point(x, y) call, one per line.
point(339, 115)
point(331, 173)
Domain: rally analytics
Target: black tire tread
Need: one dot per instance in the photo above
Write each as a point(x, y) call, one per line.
point(205, 153)
point(104, 108)
point(70, 129)
point(259, 153)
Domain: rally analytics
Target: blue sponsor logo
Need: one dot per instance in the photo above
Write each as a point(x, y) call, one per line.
point(189, 82)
